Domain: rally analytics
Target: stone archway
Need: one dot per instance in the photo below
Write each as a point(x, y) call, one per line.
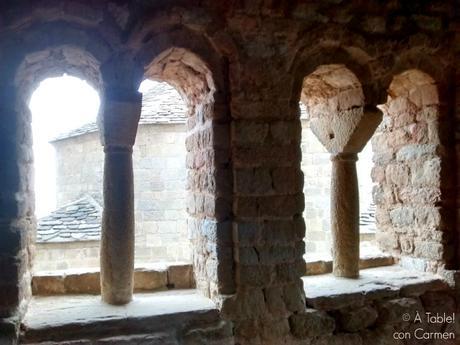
point(409, 158)
point(29, 71)
point(208, 176)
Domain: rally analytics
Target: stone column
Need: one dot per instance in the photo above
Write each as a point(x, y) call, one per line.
point(118, 127)
point(345, 215)
point(344, 134)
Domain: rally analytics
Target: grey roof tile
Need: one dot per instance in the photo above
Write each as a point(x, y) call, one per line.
point(69, 223)
point(367, 219)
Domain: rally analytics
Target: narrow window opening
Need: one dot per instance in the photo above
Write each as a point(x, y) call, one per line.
point(159, 157)
point(367, 227)
point(338, 226)
point(67, 205)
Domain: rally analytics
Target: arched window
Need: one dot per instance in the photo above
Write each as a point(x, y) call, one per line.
point(67, 191)
point(408, 156)
point(159, 158)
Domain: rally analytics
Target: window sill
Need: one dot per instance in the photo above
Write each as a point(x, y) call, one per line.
point(70, 317)
point(327, 292)
point(322, 264)
point(86, 281)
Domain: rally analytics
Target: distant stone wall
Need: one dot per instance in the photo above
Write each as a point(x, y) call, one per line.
point(66, 255)
point(159, 193)
point(79, 164)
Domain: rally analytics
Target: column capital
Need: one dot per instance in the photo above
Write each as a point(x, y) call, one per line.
point(344, 157)
point(120, 117)
point(118, 149)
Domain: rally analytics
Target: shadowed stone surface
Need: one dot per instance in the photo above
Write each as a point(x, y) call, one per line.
point(87, 281)
point(329, 292)
point(87, 317)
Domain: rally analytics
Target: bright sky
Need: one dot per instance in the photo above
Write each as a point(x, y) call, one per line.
point(146, 85)
point(57, 105)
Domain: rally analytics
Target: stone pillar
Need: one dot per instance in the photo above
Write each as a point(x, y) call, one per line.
point(345, 215)
point(344, 133)
point(118, 128)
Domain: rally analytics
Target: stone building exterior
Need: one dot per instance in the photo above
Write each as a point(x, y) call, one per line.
point(389, 68)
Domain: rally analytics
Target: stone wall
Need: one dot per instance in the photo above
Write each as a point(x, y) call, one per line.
point(159, 192)
point(66, 255)
point(418, 309)
point(409, 156)
point(79, 165)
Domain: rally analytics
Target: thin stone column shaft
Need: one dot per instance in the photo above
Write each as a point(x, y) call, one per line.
point(117, 242)
point(345, 215)
point(119, 128)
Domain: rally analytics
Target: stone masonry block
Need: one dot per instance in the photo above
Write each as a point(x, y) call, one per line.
point(311, 323)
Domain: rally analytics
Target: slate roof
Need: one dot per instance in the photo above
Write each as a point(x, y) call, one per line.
point(367, 219)
point(161, 104)
point(77, 221)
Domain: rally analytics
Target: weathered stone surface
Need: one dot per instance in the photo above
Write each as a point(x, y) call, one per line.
point(87, 317)
point(365, 261)
point(382, 335)
point(438, 302)
point(217, 333)
point(409, 189)
point(327, 292)
point(354, 320)
point(9, 331)
point(46, 285)
point(82, 283)
point(147, 280)
point(117, 238)
point(392, 311)
point(340, 339)
point(180, 277)
point(156, 277)
point(166, 339)
point(311, 323)
point(345, 216)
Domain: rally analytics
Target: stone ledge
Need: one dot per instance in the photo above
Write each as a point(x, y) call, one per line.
point(327, 292)
point(175, 315)
point(147, 278)
point(324, 266)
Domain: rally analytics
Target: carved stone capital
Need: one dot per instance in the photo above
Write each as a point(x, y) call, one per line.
point(119, 120)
